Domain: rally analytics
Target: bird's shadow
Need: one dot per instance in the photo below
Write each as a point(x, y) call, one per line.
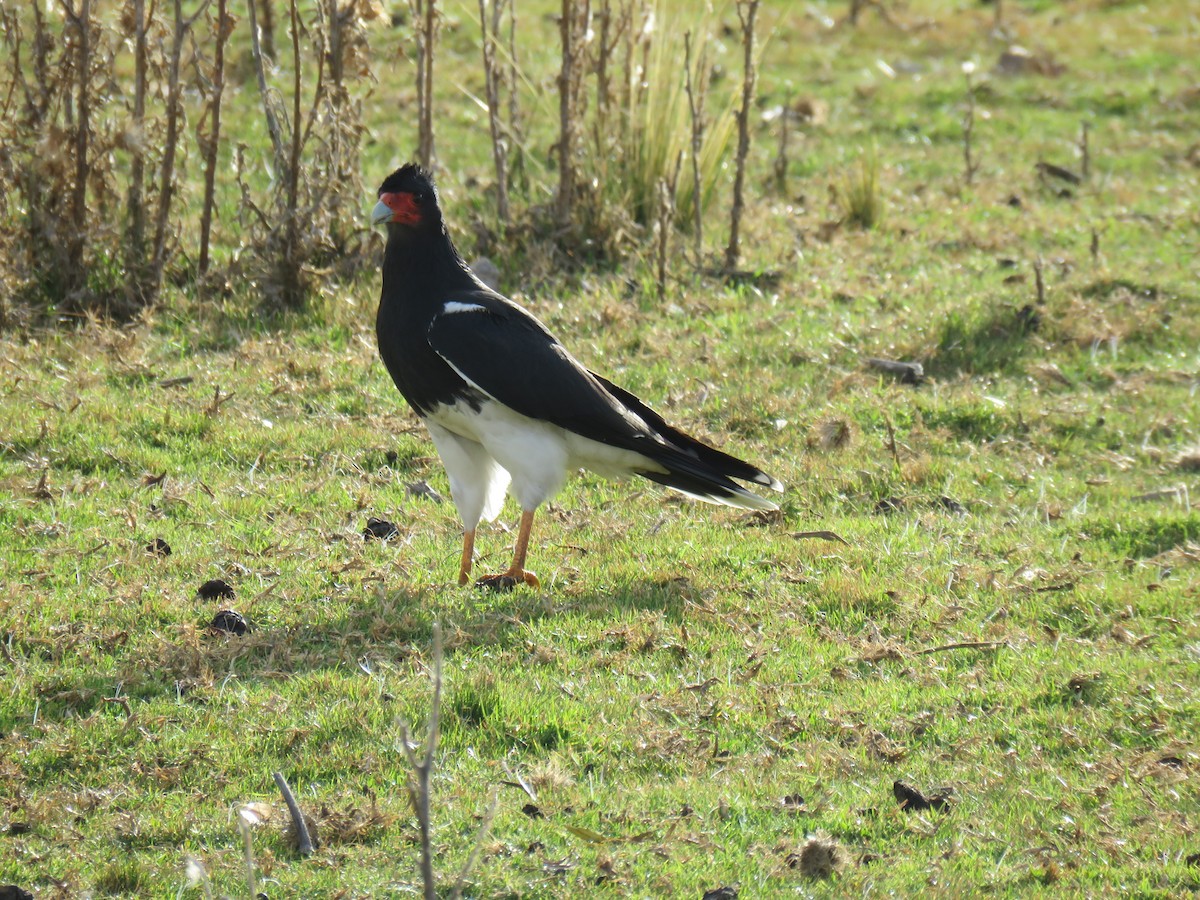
point(392, 625)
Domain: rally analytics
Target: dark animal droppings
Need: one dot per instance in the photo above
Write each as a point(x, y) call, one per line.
point(379, 529)
point(228, 620)
point(910, 799)
point(890, 505)
point(215, 588)
point(158, 547)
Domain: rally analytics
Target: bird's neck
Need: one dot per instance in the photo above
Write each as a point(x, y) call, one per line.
point(423, 269)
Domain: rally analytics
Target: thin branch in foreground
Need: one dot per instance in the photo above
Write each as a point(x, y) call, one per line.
point(419, 786)
point(418, 783)
point(485, 828)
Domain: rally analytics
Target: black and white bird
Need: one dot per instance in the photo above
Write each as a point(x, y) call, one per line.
point(507, 406)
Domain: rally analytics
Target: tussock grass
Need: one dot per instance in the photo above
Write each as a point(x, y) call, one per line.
point(859, 193)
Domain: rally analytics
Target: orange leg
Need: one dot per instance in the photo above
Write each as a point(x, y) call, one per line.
point(468, 555)
point(516, 573)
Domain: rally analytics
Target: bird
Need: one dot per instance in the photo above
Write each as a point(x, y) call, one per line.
point(507, 406)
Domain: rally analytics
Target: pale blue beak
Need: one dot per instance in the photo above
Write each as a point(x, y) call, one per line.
point(381, 214)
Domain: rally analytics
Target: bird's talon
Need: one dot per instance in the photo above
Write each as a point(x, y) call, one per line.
point(506, 581)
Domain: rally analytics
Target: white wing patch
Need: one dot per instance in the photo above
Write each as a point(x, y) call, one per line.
point(454, 306)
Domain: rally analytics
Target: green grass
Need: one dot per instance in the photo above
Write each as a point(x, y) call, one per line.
point(1031, 645)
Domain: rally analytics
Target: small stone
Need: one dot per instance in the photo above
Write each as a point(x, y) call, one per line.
point(487, 272)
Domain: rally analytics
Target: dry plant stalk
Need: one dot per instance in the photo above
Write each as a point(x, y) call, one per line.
point(267, 13)
point(970, 160)
point(166, 185)
point(210, 140)
point(573, 27)
point(857, 6)
point(135, 204)
point(1085, 156)
point(613, 28)
point(81, 22)
point(425, 15)
point(419, 785)
point(697, 90)
point(315, 154)
point(493, 80)
point(781, 157)
point(747, 11)
point(665, 223)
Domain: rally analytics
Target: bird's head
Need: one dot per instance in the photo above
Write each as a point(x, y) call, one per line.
point(407, 197)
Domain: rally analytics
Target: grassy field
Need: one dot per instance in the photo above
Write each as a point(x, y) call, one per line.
point(1009, 619)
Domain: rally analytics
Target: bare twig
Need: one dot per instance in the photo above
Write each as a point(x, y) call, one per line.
point(274, 128)
point(963, 645)
point(121, 702)
point(418, 783)
point(573, 27)
point(892, 447)
point(304, 842)
point(857, 6)
point(517, 169)
point(485, 828)
point(135, 205)
point(695, 95)
point(781, 157)
point(426, 15)
point(747, 11)
point(821, 535)
point(244, 826)
point(166, 185)
point(970, 160)
point(492, 81)
point(1039, 279)
point(1084, 150)
point(268, 26)
point(82, 22)
point(211, 141)
point(665, 222)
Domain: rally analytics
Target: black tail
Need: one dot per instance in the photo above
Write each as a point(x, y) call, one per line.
point(693, 467)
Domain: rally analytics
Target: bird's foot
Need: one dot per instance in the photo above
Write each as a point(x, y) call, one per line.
point(506, 581)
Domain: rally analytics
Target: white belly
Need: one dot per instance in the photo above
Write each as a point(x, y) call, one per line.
point(537, 454)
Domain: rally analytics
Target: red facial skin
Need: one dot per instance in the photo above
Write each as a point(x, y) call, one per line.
point(404, 207)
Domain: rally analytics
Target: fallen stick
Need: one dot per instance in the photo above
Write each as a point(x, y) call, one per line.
point(963, 645)
point(823, 535)
point(303, 841)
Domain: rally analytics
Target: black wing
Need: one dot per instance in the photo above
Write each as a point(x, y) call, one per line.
point(509, 355)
